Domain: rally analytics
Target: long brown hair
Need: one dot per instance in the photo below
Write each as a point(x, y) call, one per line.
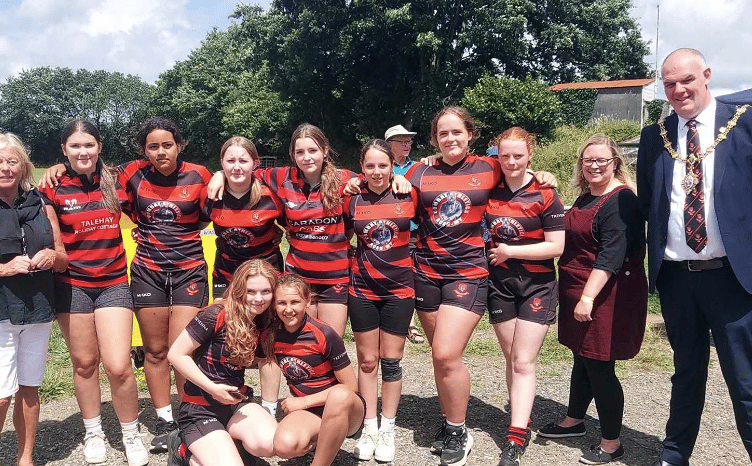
point(289, 280)
point(249, 147)
point(242, 327)
point(621, 173)
point(107, 175)
point(330, 177)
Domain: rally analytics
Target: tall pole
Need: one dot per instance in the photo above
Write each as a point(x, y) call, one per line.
point(657, 21)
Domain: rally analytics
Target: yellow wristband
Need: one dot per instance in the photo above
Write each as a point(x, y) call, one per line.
point(586, 299)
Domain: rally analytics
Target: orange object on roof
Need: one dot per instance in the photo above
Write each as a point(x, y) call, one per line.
point(603, 84)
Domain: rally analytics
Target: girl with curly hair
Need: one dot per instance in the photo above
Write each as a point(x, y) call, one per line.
point(212, 354)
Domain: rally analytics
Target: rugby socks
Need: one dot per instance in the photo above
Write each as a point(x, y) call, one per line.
point(270, 406)
point(165, 413)
point(93, 425)
point(518, 435)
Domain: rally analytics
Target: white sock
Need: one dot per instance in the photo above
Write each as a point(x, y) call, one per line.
point(270, 406)
point(165, 413)
point(387, 423)
point(371, 425)
point(129, 429)
point(93, 425)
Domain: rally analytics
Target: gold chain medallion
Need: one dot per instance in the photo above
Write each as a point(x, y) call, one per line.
point(690, 180)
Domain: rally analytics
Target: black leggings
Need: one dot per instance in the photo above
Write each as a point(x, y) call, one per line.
point(597, 379)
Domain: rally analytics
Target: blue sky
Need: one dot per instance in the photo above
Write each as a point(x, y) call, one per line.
point(147, 37)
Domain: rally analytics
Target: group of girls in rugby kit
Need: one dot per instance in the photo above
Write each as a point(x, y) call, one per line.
point(293, 322)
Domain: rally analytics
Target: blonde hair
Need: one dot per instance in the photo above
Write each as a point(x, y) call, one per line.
point(13, 143)
point(243, 327)
point(249, 147)
point(621, 173)
point(287, 280)
point(330, 177)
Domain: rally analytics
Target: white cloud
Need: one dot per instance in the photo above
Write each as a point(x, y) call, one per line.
point(143, 37)
point(715, 27)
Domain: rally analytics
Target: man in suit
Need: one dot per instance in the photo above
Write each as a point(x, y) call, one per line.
point(695, 189)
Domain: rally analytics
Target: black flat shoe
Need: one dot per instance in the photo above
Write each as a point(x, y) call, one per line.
point(554, 430)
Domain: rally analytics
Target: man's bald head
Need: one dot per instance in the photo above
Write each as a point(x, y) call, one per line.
point(685, 52)
point(686, 77)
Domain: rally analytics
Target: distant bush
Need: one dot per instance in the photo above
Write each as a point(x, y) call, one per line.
point(498, 103)
point(618, 130)
point(655, 107)
point(577, 105)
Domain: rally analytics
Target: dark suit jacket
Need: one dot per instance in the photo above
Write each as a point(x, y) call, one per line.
point(732, 190)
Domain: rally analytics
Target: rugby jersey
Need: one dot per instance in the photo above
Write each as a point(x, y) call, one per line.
point(309, 356)
point(209, 331)
point(382, 268)
point(167, 211)
point(522, 217)
point(91, 233)
point(452, 201)
point(318, 244)
point(243, 231)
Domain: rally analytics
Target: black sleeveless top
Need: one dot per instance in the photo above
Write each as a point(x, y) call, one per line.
point(25, 229)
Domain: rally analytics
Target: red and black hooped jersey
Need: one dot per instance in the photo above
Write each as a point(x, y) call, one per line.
point(318, 242)
point(452, 203)
point(91, 233)
point(382, 268)
point(209, 331)
point(522, 217)
point(243, 231)
point(309, 356)
point(167, 211)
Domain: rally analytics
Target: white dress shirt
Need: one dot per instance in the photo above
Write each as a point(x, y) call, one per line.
point(676, 244)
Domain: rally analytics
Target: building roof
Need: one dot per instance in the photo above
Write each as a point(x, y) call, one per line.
point(604, 84)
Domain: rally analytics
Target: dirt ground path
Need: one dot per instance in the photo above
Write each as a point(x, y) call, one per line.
point(646, 411)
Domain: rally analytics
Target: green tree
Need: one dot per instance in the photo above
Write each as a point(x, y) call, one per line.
point(37, 103)
point(221, 90)
point(499, 103)
point(356, 67)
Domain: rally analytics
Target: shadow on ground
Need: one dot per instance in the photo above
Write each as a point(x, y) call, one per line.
point(421, 416)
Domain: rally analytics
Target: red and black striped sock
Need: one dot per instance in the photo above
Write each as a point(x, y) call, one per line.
point(518, 435)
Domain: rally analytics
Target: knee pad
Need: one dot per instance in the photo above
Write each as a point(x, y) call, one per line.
point(391, 369)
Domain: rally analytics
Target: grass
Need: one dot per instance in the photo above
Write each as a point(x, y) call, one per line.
point(58, 373)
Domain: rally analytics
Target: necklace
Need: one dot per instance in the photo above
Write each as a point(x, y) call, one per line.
point(690, 180)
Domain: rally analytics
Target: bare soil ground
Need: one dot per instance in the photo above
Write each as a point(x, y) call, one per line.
point(647, 395)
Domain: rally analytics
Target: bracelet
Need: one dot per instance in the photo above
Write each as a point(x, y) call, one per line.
point(305, 400)
point(586, 299)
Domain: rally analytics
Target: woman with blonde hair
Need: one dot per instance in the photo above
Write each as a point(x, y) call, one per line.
point(602, 293)
point(30, 250)
point(212, 354)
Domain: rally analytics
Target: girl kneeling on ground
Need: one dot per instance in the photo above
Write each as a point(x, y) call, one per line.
point(319, 375)
point(212, 353)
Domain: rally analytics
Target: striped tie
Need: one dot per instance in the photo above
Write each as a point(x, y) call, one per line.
point(694, 204)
